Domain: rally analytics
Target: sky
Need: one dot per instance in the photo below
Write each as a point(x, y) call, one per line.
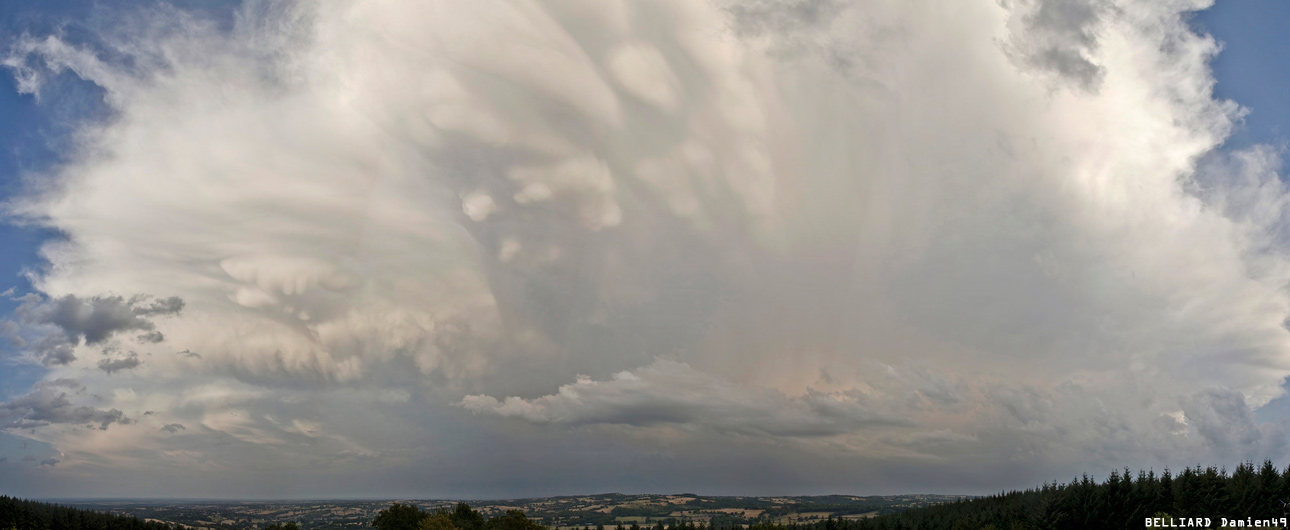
point(433, 249)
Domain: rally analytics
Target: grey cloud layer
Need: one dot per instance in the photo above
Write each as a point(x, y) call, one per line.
point(895, 241)
point(668, 392)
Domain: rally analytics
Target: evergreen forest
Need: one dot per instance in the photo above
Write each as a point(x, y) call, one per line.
point(19, 514)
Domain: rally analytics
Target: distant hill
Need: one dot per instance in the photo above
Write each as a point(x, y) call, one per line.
point(567, 512)
point(30, 515)
point(1249, 494)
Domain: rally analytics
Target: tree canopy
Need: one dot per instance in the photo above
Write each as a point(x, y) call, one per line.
point(23, 514)
point(399, 517)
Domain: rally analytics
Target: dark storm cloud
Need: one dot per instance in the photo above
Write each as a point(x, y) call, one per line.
point(53, 350)
point(97, 318)
point(47, 404)
point(1057, 36)
point(151, 337)
point(1224, 419)
point(66, 321)
point(129, 362)
point(173, 428)
point(162, 306)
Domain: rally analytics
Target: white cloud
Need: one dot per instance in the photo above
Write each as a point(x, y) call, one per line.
point(990, 239)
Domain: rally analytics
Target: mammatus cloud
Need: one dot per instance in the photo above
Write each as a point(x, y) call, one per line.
point(885, 247)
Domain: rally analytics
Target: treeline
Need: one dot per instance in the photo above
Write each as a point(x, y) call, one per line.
point(1121, 501)
point(18, 514)
point(462, 517)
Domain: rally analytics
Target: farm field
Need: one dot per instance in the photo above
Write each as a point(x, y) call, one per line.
point(564, 513)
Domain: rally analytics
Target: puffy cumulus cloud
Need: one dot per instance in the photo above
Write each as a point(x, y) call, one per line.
point(55, 327)
point(49, 404)
point(893, 245)
point(1225, 421)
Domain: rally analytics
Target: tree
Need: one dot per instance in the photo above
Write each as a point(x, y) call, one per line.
point(466, 518)
point(399, 517)
point(1269, 505)
point(439, 520)
point(512, 520)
